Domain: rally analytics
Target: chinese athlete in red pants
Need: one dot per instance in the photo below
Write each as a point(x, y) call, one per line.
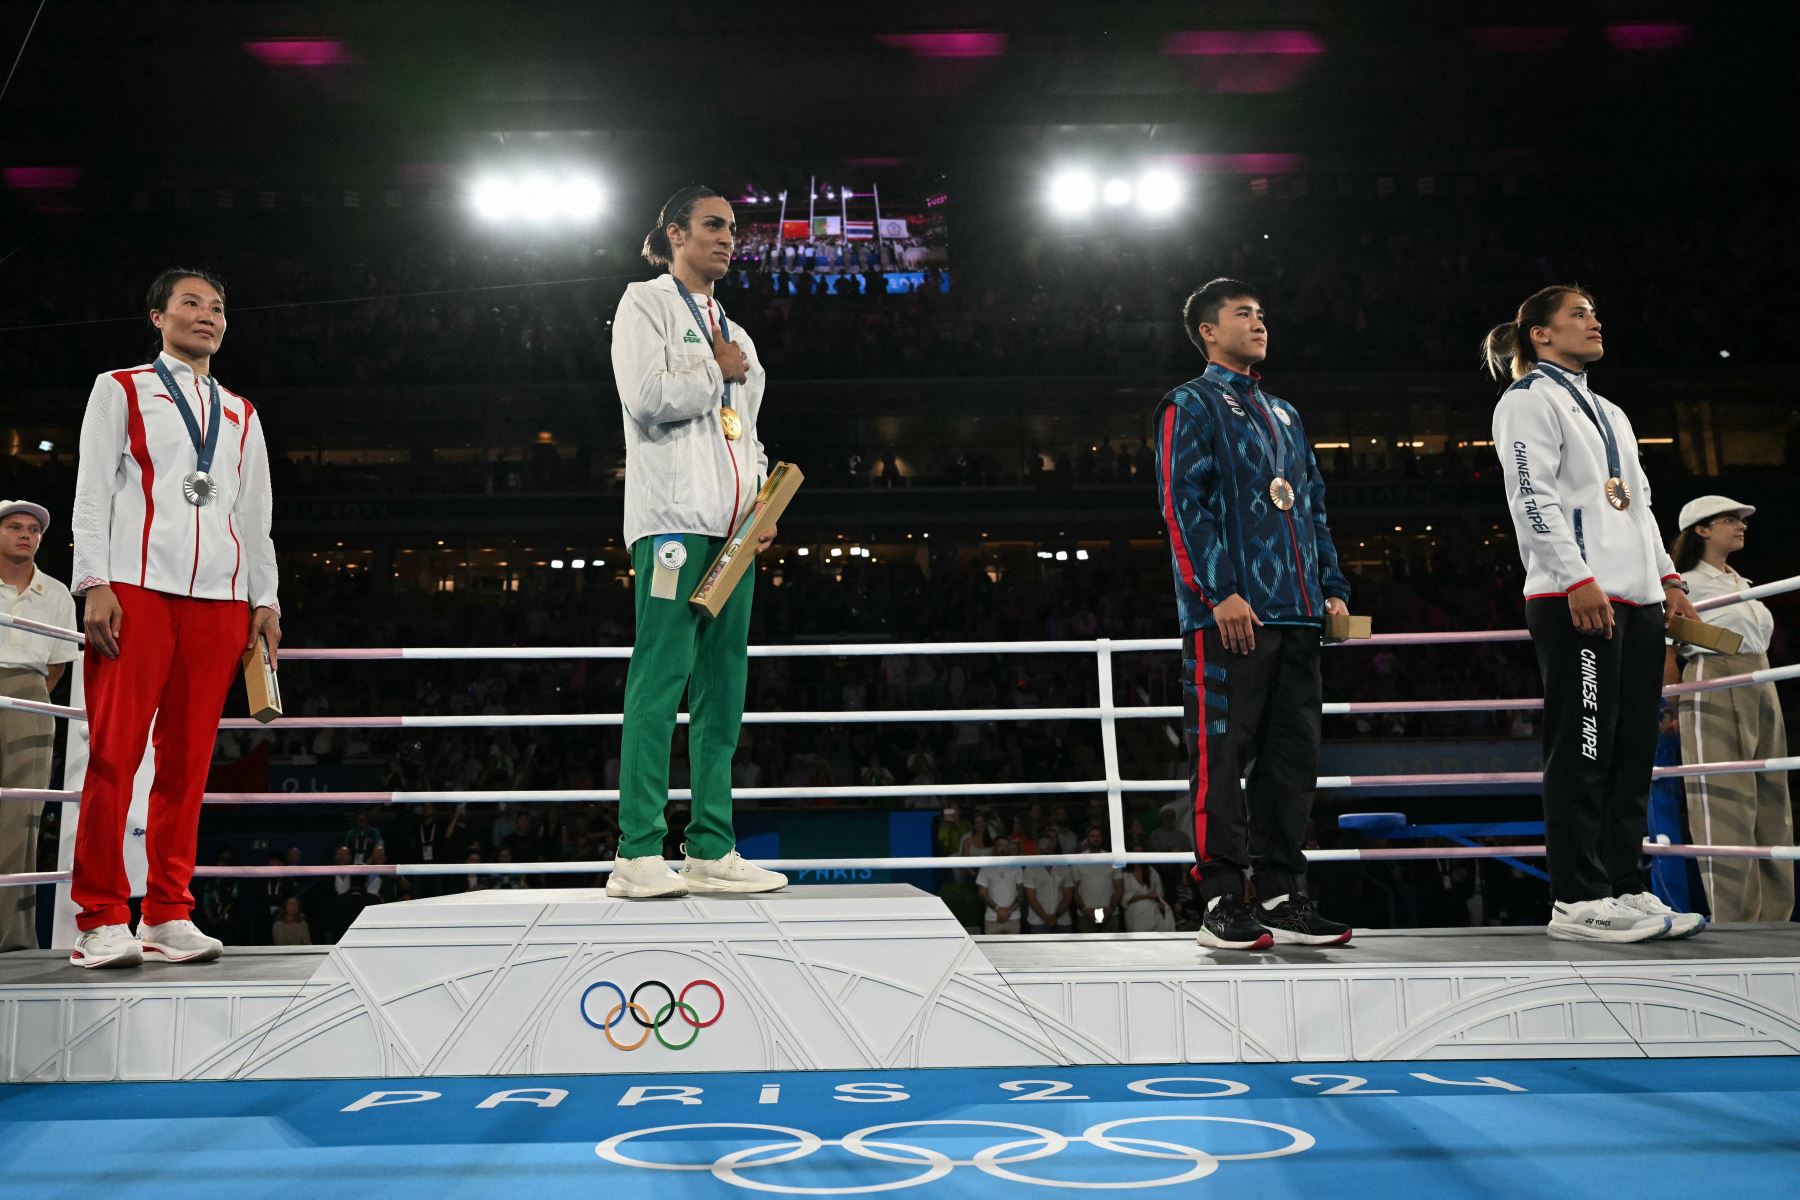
point(173, 556)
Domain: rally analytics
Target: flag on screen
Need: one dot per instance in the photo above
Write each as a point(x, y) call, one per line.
point(894, 227)
point(859, 230)
point(795, 231)
point(827, 226)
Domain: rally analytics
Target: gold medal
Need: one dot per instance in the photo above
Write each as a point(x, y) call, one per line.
point(732, 423)
point(1282, 493)
point(1617, 494)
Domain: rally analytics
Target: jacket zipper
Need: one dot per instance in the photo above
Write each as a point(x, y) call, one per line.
point(1293, 537)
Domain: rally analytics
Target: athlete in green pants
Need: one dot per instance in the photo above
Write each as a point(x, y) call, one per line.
point(691, 386)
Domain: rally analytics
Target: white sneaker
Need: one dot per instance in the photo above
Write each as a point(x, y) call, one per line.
point(179, 941)
point(1681, 924)
point(107, 946)
point(730, 874)
point(641, 878)
point(1604, 920)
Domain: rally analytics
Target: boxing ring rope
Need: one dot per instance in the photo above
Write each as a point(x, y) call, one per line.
point(1113, 786)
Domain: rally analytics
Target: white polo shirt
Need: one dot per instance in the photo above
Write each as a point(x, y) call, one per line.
point(46, 601)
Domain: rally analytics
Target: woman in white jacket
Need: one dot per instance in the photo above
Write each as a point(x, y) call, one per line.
point(691, 387)
point(1599, 589)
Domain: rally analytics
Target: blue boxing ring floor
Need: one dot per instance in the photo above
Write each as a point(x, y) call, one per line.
point(1636, 1128)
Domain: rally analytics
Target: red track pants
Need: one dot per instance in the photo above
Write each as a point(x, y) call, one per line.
point(177, 658)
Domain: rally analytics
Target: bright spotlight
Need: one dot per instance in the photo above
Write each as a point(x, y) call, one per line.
point(556, 564)
point(1062, 556)
point(581, 199)
point(1158, 192)
point(1072, 193)
point(539, 198)
point(1116, 192)
point(578, 563)
point(494, 199)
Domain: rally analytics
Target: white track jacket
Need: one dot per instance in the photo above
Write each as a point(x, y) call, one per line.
point(132, 524)
point(1553, 460)
point(682, 475)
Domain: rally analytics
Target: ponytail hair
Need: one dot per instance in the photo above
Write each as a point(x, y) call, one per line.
point(1689, 547)
point(677, 210)
point(1507, 350)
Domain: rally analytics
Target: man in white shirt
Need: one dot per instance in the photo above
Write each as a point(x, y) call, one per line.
point(30, 668)
point(1049, 895)
point(1098, 887)
point(174, 560)
point(1000, 888)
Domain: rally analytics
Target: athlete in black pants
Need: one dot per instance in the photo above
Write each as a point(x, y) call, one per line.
point(1255, 572)
point(1599, 588)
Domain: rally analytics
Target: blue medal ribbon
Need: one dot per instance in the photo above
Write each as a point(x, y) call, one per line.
point(1596, 414)
point(705, 329)
point(1273, 441)
point(203, 448)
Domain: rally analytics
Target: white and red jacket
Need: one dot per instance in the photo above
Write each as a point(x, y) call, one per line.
point(1553, 459)
point(131, 522)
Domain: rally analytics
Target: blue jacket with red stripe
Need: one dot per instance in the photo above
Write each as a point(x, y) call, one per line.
point(1215, 449)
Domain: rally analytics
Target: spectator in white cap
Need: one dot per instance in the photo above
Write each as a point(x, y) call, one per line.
point(30, 668)
point(1733, 723)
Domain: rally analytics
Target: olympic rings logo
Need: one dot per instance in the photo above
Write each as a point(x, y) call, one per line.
point(996, 1160)
point(673, 1006)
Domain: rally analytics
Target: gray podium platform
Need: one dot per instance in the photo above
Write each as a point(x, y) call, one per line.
point(555, 982)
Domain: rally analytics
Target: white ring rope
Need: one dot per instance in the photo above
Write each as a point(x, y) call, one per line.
point(877, 649)
point(870, 791)
point(902, 715)
point(962, 862)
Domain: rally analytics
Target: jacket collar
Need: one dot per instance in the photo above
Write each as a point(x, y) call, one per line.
point(178, 368)
point(1215, 373)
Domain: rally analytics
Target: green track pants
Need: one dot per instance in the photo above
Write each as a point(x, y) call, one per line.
point(677, 648)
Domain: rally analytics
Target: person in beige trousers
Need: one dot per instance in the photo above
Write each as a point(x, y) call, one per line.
point(1733, 723)
point(30, 668)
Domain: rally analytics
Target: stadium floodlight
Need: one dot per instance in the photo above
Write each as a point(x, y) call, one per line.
point(578, 563)
point(1116, 192)
point(539, 198)
point(581, 198)
point(556, 564)
point(1072, 192)
point(1158, 192)
point(494, 199)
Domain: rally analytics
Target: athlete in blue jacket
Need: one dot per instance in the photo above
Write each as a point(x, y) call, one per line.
point(1255, 572)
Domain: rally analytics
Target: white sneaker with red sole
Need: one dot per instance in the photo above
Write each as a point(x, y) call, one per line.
point(106, 946)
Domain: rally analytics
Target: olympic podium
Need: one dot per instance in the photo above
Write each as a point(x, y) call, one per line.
point(558, 982)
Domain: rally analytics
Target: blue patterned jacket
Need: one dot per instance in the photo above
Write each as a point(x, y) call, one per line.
point(1225, 534)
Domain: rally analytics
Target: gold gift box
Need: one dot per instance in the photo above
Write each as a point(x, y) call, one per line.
point(261, 683)
point(739, 551)
point(1707, 637)
point(1346, 627)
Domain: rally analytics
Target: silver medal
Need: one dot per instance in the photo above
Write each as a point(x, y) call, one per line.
point(199, 488)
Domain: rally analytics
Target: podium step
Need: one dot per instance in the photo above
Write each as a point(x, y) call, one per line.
point(561, 982)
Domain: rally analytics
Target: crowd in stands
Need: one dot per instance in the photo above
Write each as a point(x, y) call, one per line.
point(1348, 286)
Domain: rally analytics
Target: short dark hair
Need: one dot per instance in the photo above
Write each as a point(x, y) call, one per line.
point(1202, 308)
point(675, 211)
point(162, 288)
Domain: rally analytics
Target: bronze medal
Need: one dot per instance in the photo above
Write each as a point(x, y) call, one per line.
point(732, 423)
point(1282, 493)
point(1617, 494)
